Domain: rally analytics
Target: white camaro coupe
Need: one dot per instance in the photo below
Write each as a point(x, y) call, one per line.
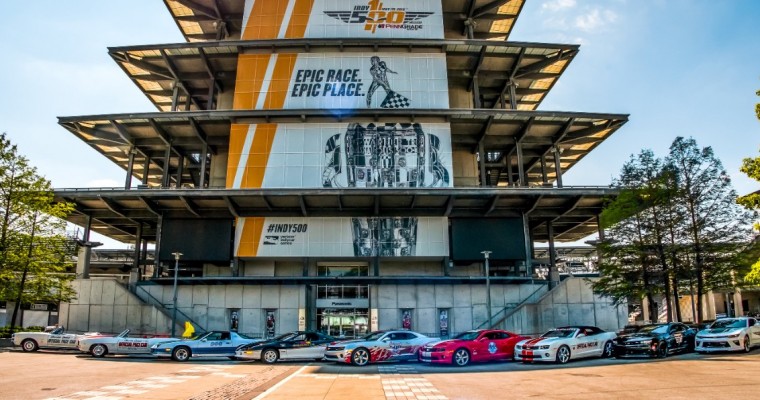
point(729, 334)
point(121, 344)
point(56, 339)
point(567, 343)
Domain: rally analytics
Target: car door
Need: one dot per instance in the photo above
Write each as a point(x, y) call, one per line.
point(402, 346)
point(296, 347)
point(677, 337)
point(754, 332)
point(504, 344)
point(213, 344)
point(587, 343)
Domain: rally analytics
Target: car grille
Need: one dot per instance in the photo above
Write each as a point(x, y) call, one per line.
point(715, 344)
point(334, 348)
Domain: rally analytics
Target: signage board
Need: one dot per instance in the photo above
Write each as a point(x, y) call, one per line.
point(342, 237)
point(386, 19)
point(342, 303)
point(341, 155)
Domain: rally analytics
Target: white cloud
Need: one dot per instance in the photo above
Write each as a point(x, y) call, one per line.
point(557, 5)
point(595, 20)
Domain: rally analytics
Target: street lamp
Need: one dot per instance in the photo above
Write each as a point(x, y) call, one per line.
point(486, 253)
point(176, 255)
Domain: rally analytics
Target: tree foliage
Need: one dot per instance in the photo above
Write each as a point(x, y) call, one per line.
point(751, 167)
point(674, 220)
point(34, 252)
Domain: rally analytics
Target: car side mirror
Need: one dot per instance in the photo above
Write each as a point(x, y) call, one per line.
point(385, 339)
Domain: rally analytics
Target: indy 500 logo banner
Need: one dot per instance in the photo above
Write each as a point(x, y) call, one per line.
point(385, 19)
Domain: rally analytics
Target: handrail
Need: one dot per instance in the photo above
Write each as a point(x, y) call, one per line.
point(161, 306)
point(511, 309)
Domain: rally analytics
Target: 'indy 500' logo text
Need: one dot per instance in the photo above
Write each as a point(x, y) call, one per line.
point(375, 16)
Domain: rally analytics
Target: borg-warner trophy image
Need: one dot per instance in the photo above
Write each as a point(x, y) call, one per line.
point(384, 156)
point(379, 72)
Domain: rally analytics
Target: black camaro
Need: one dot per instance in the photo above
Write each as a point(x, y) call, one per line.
point(293, 345)
point(656, 340)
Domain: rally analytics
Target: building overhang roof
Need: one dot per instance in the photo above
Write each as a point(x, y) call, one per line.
point(204, 20)
point(145, 137)
point(199, 71)
point(117, 213)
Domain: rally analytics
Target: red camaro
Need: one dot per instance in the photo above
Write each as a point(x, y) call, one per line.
point(478, 345)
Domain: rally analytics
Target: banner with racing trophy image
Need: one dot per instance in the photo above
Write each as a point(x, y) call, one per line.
point(271, 19)
point(339, 155)
point(342, 237)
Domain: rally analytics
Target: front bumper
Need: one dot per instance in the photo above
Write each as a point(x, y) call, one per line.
point(635, 349)
point(537, 355)
point(719, 344)
point(435, 357)
point(341, 356)
point(161, 352)
point(248, 354)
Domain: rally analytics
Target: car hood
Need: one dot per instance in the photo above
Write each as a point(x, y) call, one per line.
point(637, 337)
point(450, 342)
point(720, 332)
point(542, 341)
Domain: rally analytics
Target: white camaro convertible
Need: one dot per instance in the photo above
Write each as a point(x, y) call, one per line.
point(56, 339)
point(121, 344)
point(567, 343)
point(729, 334)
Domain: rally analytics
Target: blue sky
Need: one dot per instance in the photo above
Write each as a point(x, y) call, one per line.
point(678, 67)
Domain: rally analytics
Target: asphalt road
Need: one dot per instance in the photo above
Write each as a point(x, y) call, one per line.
point(71, 376)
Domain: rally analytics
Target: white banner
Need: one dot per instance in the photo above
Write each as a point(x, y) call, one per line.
point(385, 19)
point(342, 237)
point(340, 155)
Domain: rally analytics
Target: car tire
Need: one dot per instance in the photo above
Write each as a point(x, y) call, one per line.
point(270, 356)
point(662, 350)
point(360, 357)
point(563, 355)
point(29, 345)
point(233, 358)
point(747, 346)
point(98, 350)
point(461, 357)
point(181, 353)
point(609, 350)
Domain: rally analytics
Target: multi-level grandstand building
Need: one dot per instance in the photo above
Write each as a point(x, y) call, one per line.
point(343, 166)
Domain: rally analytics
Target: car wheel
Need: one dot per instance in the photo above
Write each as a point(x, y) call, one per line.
point(29, 345)
point(746, 344)
point(662, 350)
point(181, 353)
point(461, 357)
point(563, 355)
point(270, 356)
point(609, 350)
point(99, 350)
point(360, 357)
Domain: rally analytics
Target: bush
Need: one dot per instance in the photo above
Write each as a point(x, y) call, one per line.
point(5, 331)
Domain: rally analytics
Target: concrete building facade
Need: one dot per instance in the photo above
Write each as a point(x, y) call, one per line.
point(345, 167)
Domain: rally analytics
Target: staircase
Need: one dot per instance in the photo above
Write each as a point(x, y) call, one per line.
point(510, 309)
point(164, 309)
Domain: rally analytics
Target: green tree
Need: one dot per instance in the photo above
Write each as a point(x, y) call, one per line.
point(714, 227)
point(751, 167)
point(33, 247)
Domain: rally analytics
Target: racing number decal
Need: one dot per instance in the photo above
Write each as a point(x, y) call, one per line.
point(132, 344)
point(492, 348)
point(678, 336)
point(215, 343)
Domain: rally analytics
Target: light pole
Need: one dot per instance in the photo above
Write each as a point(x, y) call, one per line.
point(486, 253)
point(176, 255)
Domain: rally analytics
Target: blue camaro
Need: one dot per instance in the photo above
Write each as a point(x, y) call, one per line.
point(209, 344)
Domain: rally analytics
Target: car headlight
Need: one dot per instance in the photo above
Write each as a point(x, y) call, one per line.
point(518, 347)
point(700, 337)
point(735, 335)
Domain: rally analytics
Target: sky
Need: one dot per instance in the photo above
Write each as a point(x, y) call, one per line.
point(678, 67)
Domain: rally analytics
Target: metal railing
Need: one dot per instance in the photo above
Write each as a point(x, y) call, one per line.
point(150, 299)
point(509, 310)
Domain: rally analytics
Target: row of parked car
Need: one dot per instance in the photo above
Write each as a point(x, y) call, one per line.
point(558, 345)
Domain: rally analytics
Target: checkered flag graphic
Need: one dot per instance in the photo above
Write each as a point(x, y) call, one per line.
point(395, 100)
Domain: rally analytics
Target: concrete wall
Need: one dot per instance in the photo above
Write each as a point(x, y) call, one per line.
point(466, 304)
point(572, 302)
point(103, 305)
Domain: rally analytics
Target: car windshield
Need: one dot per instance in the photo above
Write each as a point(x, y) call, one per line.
point(470, 335)
point(653, 329)
point(728, 323)
point(559, 333)
point(373, 336)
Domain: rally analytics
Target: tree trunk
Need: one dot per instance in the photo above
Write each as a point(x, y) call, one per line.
point(19, 298)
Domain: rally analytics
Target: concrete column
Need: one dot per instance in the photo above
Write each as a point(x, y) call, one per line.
point(528, 246)
point(553, 270)
point(645, 309)
point(134, 274)
point(522, 178)
point(204, 158)
point(557, 167)
point(482, 165)
point(739, 308)
point(130, 169)
point(146, 171)
point(156, 262)
point(83, 262)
